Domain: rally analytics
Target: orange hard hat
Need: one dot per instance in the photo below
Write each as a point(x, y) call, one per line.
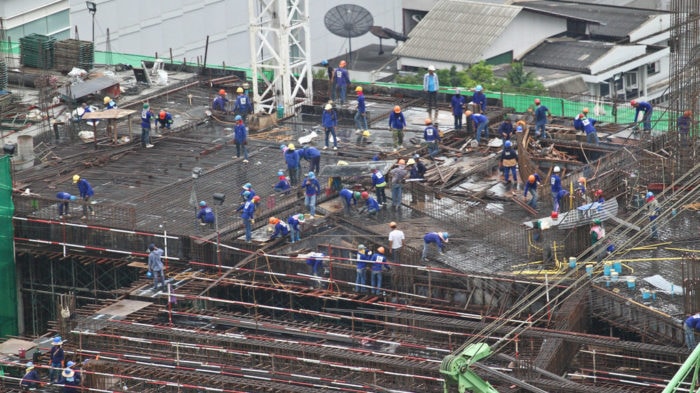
point(365, 195)
point(468, 113)
point(537, 101)
point(380, 250)
point(531, 179)
point(581, 179)
point(222, 92)
point(633, 102)
point(402, 162)
point(274, 220)
point(687, 113)
point(428, 121)
point(598, 192)
point(343, 63)
point(585, 110)
point(161, 114)
point(397, 109)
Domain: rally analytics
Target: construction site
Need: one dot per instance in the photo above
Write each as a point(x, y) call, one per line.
point(520, 301)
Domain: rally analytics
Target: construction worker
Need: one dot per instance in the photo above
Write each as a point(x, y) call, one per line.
point(349, 199)
point(431, 86)
point(70, 385)
point(63, 205)
point(398, 176)
point(361, 115)
point(86, 192)
point(597, 234)
point(248, 216)
point(315, 261)
point(77, 376)
point(684, 123)
point(509, 162)
point(165, 119)
point(431, 136)
point(240, 138)
point(371, 204)
point(31, 379)
point(57, 357)
point(341, 78)
point(437, 238)
point(155, 266)
point(542, 114)
point(396, 239)
point(505, 130)
point(481, 124)
point(479, 98)
point(580, 192)
point(109, 103)
point(690, 326)
point(146, 118)
point(379, 184)
point(531, 187)
point(653, 209)
point(598, 194)
point(311, 190)
point(220, 102)
point(291, 157)
point(457, 103)
point(242, 107)
point(555, 182)
point(281, 228)
point(251, 192)
point(282, 185)
point(294, 229)
point(361, 266)
point(313, 156)
point(83, 109)
point(378, 266)
point(642, 106)
point(329, 120)
point(588, 126)
point(397, 122)
point(206, 214)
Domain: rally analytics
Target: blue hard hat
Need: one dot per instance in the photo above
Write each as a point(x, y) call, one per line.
point(324, 62)
point(238, 117)
point(478, 88)
point(508, 144)
point(247, 186)
point(312, 175)
point(70, 364)
point(519, 128)
point(445, 235)
point(649, 194)
point(30, 365)
point(282, 147)
point(280, 173)
point(202, 203)
point(73, 197)
point(246, 194)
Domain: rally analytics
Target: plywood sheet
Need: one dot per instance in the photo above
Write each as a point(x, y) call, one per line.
point(13, 345)
point(123, 308)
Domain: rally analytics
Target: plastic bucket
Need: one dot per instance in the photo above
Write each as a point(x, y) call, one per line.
point(618, 267)
point(631, 283)
point(572, 262)
point(589, 270)
point(607, 268)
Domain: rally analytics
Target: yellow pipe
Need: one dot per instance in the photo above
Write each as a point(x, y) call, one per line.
point(627, 266)
point(528, 263)
point(646, 259)
point(682, 249)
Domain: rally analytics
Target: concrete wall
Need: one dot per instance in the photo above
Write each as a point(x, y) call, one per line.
point(538, 28)
point(140, 27)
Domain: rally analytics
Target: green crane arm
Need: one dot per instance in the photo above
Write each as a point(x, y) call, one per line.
point(690, 366)
point(456, 369)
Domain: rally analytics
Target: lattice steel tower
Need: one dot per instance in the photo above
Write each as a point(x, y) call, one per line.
point(685, 79)
point(279, 54)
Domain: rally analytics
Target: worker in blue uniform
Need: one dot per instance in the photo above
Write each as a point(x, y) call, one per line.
point(361, 115)
point(531, 187)
point(86, 192)
point(378, 266)
point(371, 204)
point(555, 188)
point(341, 79)
point(291, 158)
point(242, 107)
point(349, 200)
point(248, 216)
point(643, 106)
point(481, 124)
point(479, 98)
point(63, 205)
point(220, 102)
point(361, 266)
point(205, 215)
point(165, 119)
point(311, 188)
point(313, 156)
point(431, 136)
point(397, 122)
point(505, 130)
point(329, 120)
point(240, 138)
point(509, 162)
point(294, 229)
point(457, 103)
point(542, 114)
point(437, 238)
point(280, 228)
point(282, 185)
point(379, 184)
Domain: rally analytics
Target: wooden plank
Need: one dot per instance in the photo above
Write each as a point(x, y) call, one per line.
point(13, 345)
point(518, 201)
point(123, 308)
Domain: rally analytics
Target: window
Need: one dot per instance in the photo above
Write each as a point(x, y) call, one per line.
point(604, 89)
point(631, 80)
point(654, 68)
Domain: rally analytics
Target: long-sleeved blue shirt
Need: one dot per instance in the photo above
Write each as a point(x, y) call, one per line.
point(219, 103)
point(479, 98)
point(293, 222)
point(282, 185)
point(361, 103)
point(281, 229)
point(310, 152)
point(588, 125)
point(541, 115)
point(329, 118)
point(506, 128)
point(154, 262)
point(371, 204)
point(433, 237)
point(430, 134)
point(397, 120)
point(532, 186)
point(342, 77)
point(206, 214)
point(508, 154)
point(362, 259)
point(85, 188)
point(379, 262)
point(555, 182)
point(378, 179)
point(642, 106)
point(146, 118)
point(348, 196)
point(478, 118)
point(240, 133)
point(311, 186)
point(63, 195)
point(457, 103)
point(242, 104)
point(248, 210)
point(291, 157)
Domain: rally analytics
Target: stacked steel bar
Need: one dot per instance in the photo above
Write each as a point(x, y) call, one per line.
point(3, 75)
point(37, 51)
point(73, 53)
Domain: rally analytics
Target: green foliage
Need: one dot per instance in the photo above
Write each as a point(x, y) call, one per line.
point(320, 74)
point(480, 74)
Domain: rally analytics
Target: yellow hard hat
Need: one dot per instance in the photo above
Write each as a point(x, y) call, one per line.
point(358, 88)
point(107, 100)
point(239, 90)
point(366, 133)
point(585, 110)
point(76, 178)
point(290, 146)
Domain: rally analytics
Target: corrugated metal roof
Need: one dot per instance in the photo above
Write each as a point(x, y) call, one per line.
point(615, 22)
point(567, 55)
point(457, 31)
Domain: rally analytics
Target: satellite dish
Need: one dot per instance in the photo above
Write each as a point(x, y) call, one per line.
point(348, 20)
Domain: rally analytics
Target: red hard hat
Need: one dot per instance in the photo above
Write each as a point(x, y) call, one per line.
point(222, 92)
point(598, 192)
point(537, 100)
point(162, 114)
point(687, 113)
point(633, 102)
point(365, 195)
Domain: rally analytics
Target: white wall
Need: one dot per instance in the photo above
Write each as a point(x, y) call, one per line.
point(537, 27)
point(146, 27)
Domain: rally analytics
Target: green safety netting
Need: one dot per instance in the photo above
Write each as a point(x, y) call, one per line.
point(8, 287)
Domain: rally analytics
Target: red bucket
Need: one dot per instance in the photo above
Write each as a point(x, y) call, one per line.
point(22, 353)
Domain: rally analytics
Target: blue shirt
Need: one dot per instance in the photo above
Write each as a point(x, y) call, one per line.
point(532, 186)
point(240, 133)
point(379, 262)
point(310, 152)
point(508, 154)
point(506, 128)
point(457, 104)
point(430, 134)
point(480, 99)
point(555, 181)
point(642, 106)
point(361, 103)
point(242, 103)
point(588, 125)
point(378, 179)
point(362, 259)
point(219, 103)
point(348, 196)
point(397, 120)
point(329, 118)
point(291, 157)
point(85, 188)
point(146, 116)
point(110, 105)
point(248, 210)
point(154, 262)
point(282, 185)
point(478, 118)
point(206, 214)
point(293, 222)
point(63, 195)
point(433, 237)
point(683, 124)
point(311, 186)
point(342, 77)
point(281, 228)
point(541, 115)
point(371, 204)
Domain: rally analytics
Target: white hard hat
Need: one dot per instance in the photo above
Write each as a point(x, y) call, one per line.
point(557, 169)
point(431, 68)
